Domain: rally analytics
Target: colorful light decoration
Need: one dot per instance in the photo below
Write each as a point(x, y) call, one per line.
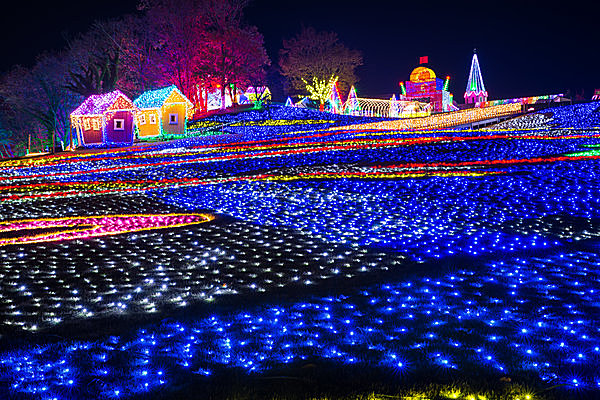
point(414, 326)
point(445, 120)
point(384, 108)
point(104, 120)
point(257, 94)
point(425, 86)
point(162, 113)
point(335, 101)
point(402, 89)
point(352, 106)
point(93, 226)
point(320, 89)
point(475, 91)
point(516, 205)
point(549, 98)
point(447, 83)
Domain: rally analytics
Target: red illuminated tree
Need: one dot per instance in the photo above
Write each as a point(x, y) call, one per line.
point(235, 58)
point(204, 44)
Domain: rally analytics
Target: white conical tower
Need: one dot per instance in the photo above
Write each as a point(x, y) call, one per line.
point(352, 106)
point(475, 88)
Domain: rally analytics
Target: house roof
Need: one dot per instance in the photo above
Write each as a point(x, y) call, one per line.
point(99, 103)
point(157, 98)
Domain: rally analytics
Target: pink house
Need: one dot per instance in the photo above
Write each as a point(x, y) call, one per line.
point(105, 119)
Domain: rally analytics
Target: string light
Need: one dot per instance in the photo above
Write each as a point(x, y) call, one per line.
point(93, 226)
point(444, 120)
point(306, 198)
point(157, 109)
point(105, 119)
point(475, 91)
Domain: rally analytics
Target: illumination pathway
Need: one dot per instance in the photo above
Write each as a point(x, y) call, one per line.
point(510, 215)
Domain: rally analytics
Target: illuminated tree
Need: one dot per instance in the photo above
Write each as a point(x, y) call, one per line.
point(320, 90)
point(204, 44)
point(234, 56)
point(181, 43)
point(352, 104)
point(316, 58)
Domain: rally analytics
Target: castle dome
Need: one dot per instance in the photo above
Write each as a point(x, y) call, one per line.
point(422, 74)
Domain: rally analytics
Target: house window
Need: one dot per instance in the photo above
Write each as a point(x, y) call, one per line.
point(142, 119)
point(153, 118)
point(86, 124)
point(119, 124)
point(95, 124)
point(173, 119)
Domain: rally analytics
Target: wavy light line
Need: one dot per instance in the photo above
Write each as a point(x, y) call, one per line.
point(72, 228)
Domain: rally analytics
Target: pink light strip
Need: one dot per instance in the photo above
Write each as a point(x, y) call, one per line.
point(72, 228)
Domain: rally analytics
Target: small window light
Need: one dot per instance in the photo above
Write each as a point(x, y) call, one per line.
point(86, 124)
point(173, 119)
point(153, 118)
point(119, 124)
point(142, 119)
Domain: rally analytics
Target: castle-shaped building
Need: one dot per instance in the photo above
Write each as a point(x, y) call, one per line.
point(424, 86)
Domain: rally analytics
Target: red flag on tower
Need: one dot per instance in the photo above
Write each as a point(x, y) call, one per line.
point(424, 60)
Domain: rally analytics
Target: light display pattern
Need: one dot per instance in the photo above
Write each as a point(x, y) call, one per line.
point(503, 318)
point(548, 98)
point(475, 91)
point(454, 253)
point(89, 227)
point(320, 89)
point(93, 118)
point(424, 86)
point(335, 101)
point(445, 120)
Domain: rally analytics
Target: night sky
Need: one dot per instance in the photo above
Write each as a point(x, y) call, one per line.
point(524, 48)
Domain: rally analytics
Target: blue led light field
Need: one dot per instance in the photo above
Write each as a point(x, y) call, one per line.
point(459, 255)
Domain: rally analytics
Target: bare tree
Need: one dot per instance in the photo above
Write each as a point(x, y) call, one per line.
point(95, 58)
point(316, 59)
point(38, 96)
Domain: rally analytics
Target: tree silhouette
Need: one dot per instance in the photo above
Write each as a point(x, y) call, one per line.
point(316, 58)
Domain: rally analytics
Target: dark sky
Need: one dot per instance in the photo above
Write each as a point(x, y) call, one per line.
point(524, 47)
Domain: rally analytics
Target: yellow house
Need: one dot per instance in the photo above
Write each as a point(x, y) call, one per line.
point(163, 113)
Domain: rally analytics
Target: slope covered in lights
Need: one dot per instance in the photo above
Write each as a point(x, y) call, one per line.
point(450, 254)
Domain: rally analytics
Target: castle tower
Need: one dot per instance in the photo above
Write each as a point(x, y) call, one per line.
point(475, 88)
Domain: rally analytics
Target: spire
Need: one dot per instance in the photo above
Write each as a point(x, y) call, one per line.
point(352, 105)
point(394, 107)
point(334, 100)
point(475, 88)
